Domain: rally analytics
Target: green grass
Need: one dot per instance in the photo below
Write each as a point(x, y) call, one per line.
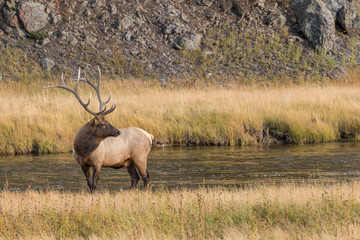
point(263, 55)
point(16, 65)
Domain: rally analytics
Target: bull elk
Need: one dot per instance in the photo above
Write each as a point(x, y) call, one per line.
point(98, 144)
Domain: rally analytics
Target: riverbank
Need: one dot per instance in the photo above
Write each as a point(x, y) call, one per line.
point(37, 120)
point(285, 211)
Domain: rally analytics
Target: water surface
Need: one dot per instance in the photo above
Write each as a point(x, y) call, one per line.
point(193, 166)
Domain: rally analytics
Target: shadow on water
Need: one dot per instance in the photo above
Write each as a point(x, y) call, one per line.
point(193, 166)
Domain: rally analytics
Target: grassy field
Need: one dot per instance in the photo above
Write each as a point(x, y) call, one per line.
point(286, 211)
point(40, 120)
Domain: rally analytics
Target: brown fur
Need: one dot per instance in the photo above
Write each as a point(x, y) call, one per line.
point(98, 144)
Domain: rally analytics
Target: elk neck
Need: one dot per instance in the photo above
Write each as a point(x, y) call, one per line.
point(85, 141)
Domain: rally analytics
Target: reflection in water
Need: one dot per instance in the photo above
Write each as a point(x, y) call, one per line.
point(190, 166)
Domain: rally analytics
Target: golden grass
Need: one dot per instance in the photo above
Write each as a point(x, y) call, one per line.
point(287, 211)
point(41, 120)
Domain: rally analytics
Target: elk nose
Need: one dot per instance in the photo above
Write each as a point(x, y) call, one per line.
point(117, 132)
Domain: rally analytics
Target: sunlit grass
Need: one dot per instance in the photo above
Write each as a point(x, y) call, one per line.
point(34, 119)
point(286, 211)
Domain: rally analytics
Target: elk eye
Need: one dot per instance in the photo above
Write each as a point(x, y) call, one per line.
point(103, 125)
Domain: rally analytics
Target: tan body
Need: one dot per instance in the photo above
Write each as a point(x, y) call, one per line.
point(130, 149)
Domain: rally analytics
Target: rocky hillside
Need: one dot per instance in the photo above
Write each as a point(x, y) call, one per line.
point(182, 40)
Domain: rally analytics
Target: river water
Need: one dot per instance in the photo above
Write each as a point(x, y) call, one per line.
point(192, 167)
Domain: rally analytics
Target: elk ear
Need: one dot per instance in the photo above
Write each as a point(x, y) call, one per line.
point(94, 122)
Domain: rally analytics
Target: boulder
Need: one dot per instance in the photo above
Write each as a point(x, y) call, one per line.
point(316, 22)
point(349, 19)
point(276, 20)
point(47, 64)
point(190, 43)
point(193, 43)
point(33, 16)
point(11, 17)
point(334, 6)
point(127, 22)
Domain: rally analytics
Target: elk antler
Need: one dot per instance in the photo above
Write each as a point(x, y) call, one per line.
point(96, 88)
point(102, 108)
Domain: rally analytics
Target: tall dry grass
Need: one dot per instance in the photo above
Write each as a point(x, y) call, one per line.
point(46, 120)
point(288, 211)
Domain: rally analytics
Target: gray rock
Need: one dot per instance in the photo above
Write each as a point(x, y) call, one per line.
point(89, 39)
point(127, 22)
point(32, 16)
point(259, 3)
point(334, 6)
point(184, 18)
point(97, 3)
point(72, 41)
point(54, 18)
point(47, 64)
point(295, 39)
point(68, 38)
point(191, 43)
point(316, 22)
point(349, 19)
point(10, 17)
point(44, 41)
point(172, 11)
point(86, 13)
point(234, 7)
point(134, 52)
point(127, 36)
point(277, 20)
point(112, 9)
point(202, 2)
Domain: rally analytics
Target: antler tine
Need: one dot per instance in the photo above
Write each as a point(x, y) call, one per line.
point(99, 75)
point(97, 90)
point(75, 92)
point(110, 110)
point(102, 104)
point(102, 107)
point(107, 101)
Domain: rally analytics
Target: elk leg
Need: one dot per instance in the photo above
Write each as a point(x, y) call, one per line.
point(133, 175)
point(88, 174)
point(95, 178)
point(146, 179)
point(144, 175)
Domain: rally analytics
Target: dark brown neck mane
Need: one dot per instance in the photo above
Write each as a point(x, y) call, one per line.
point(85, 142)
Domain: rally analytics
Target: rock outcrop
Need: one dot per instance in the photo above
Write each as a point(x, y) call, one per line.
point(174, 39)
point(349, 19)
point(316, 22)
point(32, 16)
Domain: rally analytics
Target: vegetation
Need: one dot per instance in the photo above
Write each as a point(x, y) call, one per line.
point(17, 66)
point(39, 35)
point(251, 55)
point(41, 120)
point(288, 211)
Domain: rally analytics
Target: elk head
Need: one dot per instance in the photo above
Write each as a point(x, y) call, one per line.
point(98, 127)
